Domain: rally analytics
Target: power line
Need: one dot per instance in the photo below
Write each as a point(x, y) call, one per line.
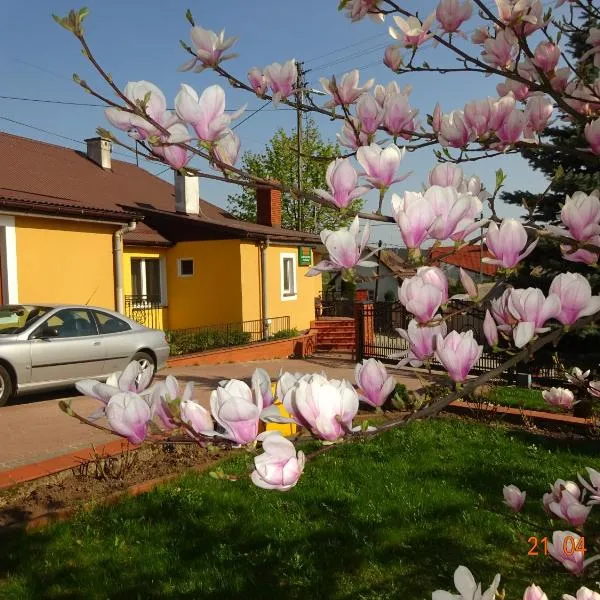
point(252, 114)
point(349, 57)
point(370, 38)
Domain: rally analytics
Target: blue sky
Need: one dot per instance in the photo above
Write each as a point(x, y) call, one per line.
point(139, 39)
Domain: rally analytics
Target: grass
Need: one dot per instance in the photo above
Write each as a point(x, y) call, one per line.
point(517, 397)
point(386, 518)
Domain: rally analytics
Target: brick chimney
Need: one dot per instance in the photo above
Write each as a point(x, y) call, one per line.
point(99, 151)
point(187, 194)
point(268, 206)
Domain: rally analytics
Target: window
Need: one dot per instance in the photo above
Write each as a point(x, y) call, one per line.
point(185, 267)
point(110, 324)
point(71, 322)
point(288, 277)
point(146, 280)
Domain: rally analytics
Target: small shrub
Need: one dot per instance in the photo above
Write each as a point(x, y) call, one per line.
point(389, 296)
point(188, 342)
point(284, 334)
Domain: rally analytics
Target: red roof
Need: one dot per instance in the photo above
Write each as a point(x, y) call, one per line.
point(48, 178)
point(467, 257)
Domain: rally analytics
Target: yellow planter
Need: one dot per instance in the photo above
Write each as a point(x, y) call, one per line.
point(286, 429)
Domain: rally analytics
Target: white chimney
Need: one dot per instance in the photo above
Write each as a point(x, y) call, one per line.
point(99, 151)
point(187, 194)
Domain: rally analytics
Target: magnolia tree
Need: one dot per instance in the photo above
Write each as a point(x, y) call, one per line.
point(520, 42)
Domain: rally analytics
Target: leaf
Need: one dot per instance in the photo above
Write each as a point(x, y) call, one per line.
point(342, 4)
point(65, 406)
point(500, 178)
point(189, 17)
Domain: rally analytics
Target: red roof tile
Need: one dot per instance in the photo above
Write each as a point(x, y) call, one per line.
point(467, 257)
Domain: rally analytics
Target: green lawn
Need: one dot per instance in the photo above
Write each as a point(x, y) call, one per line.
point(387, 518)
point(517, 397)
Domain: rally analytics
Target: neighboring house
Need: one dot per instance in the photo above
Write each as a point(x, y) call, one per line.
point(470, 258)
point(84, 228)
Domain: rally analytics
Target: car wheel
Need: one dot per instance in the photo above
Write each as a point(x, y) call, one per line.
point(145, 361)
point(6, 386)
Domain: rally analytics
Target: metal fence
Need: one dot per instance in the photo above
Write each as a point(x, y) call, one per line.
point(386, 344)
point(197, 339)
point(146, 310)
point(333, 304)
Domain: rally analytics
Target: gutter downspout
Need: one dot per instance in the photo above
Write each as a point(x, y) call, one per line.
point(263, 288)
point(118, 264)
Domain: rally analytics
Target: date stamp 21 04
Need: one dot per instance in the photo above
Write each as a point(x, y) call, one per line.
point(570, 546)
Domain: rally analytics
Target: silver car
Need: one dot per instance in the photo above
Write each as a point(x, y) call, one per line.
point(49, 346)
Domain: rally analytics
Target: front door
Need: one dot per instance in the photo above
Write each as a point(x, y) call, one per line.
point(69, 350)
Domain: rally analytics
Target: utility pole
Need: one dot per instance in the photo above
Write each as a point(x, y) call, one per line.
point(300, 84)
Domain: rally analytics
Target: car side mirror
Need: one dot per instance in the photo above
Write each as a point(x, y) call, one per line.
point(46, 332)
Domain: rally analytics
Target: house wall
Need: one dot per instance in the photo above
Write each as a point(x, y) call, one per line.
point(300, 308)
point(64, 261)
point(158, 318)
point(213, 294)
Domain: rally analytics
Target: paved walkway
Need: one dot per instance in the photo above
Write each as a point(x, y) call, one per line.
point(35, 429)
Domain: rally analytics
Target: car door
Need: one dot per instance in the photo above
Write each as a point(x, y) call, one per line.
point(66, 347)
point(117, 339)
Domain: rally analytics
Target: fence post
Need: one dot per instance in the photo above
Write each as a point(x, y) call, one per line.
point(360, 331)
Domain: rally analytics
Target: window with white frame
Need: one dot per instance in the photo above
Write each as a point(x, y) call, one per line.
point(185, 267)
point(288, 263)
point(147, 280)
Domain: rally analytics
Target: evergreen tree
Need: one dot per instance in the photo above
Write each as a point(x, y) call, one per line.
point(279, 162)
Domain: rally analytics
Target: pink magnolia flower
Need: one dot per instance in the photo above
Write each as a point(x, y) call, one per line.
point(583, 593)
point(446, 175)
point(570, 509)
point(581, 254)
point(468, 284)
point(467, 587)
point(480, 35)
point(470, 220)
point(392, 58)
point(380, 164)
point(519, 90)
point(421, 341)
point(342, 180)
point(261, 381)
point(421, 298)
point(348, 136)
point(490, 330)
point(577, 376)
point(594, 388)
point(525, 16)
point(501, 110)
point(501, 51)
point(565, 551)
point(128, 414)
point(593, 486)
point(258, 81)
point(499, 308)
point(398, 116)
point(592, 135)
point(326, 408)
point(435, 276)
point(347, 91)
point(581, 215)
point(546, 56)
point(358, 9)
point(279, 467)
point(575, 295)
point(436, 118)
point(594, 40)
point(369, 113)
point(165, 396)
point(412, 32)
point(205, 113)
point(449, 208)
point(413, 216)
point(227, 148)
point(236, 413)
point(512, 127)
point(282, 79)
point(514, 498)
point(534, 592)
point(507, 243)
point(538, 112)
point(458, 353)
point(197, 417)
point(560, 79)
point(560, 397)
point(137, 127)
point(453, 130)
point(451, 14)
point(169, 147)
point(345, 249)
point(477, 115)
point(374, 383)
point(209, 48)
point(531, 309)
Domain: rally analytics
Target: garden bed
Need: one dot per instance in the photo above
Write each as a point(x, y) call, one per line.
point(388, 517)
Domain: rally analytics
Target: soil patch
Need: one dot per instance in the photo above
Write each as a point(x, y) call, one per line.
point(99, 480)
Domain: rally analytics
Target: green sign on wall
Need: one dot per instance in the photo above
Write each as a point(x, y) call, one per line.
point(304, 256)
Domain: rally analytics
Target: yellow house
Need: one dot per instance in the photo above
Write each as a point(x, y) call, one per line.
point(82, 227)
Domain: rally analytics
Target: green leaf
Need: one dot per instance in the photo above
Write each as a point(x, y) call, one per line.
point(500, 178)
point(342, 4)
point(189, 17)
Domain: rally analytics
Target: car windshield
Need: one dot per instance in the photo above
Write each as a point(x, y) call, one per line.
point(17, 318)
